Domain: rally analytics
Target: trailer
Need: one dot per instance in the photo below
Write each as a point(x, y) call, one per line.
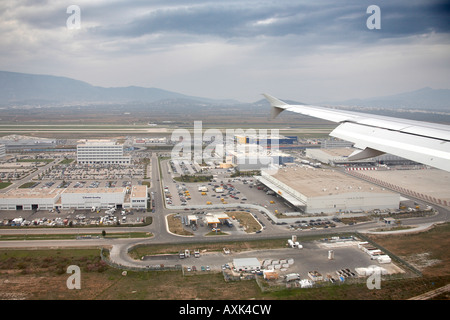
point(315, 275)
point(229, 223)
point(292, 277)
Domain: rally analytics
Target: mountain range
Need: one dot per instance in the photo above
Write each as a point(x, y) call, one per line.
point(31, 89)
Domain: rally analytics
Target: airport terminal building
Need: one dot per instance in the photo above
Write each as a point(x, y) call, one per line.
point(134, 197)
point(313, 190)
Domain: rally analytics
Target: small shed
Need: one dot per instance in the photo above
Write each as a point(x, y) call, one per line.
point(192, 219)
point(389, 220)
point(246, 264)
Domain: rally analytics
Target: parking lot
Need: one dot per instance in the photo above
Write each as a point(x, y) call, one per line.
point(223, 189)
point(74, 171)
point(72, 217)
point(237, 222)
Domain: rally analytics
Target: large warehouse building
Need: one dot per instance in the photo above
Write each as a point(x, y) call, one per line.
point(75, 198)
point(339, 156)
point(327, 191)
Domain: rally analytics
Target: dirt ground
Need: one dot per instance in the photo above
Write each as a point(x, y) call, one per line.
point(427, 251)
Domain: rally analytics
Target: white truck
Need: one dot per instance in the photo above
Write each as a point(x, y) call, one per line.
point(292, 277)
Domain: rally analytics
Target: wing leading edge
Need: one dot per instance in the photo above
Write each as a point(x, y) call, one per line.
point(423, 142)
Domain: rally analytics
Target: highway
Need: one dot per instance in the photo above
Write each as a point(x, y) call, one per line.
point(160, 234)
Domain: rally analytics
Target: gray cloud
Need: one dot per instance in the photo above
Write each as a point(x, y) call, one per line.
point(249, 19)
point(283, 44)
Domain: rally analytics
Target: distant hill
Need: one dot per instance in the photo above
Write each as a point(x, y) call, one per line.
point(21, 88)
point(424, 99)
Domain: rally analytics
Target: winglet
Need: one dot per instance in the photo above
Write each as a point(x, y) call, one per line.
point(364, 154)
point(276, 104)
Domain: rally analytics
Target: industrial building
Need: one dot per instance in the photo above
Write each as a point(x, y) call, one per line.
point(2, 151)
point(335, 143)
point(266, 141)
point(75, 198)
point(314, 190)
point(246, 264)
point(102, 152)
point(23, 143)
point(339, 156)
point(256, 157)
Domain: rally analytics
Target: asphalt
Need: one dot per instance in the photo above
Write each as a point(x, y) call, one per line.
point(119, 247)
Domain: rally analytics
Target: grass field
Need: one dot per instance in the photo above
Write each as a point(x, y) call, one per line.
point(4, 184)
point(108, 235)
point(41, 274)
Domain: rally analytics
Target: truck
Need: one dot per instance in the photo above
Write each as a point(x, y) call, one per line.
point(228, 223)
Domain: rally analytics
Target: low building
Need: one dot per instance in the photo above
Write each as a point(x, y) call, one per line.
point(30, 199)
point(75, 198)
point(255, 157)
point(246, 264)
point(339, 156)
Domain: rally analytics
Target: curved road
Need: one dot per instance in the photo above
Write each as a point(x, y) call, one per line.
point(120, 247)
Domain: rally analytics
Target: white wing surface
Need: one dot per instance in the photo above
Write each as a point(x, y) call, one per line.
point(423, 142)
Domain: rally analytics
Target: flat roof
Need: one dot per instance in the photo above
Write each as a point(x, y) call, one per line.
point(211, 219)
point(246, 262)
point(98, 142)
point(139, 191)
point(432, 182)
point(313, 182)
point(95, 190)
point(338, 152)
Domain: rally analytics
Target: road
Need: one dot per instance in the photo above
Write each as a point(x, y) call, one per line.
point(160, 234)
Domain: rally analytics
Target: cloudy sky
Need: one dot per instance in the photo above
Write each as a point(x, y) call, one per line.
point(308, 50)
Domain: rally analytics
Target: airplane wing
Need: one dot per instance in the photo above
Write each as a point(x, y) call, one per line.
point(423, 142)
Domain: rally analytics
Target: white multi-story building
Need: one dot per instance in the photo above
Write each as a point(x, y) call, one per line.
point(101, 151)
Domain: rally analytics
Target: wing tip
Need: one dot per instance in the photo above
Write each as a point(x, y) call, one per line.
point(276, 104)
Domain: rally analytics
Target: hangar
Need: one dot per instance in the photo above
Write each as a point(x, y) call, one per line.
point(327, 191)
point(74, 198)
point(30, 199)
